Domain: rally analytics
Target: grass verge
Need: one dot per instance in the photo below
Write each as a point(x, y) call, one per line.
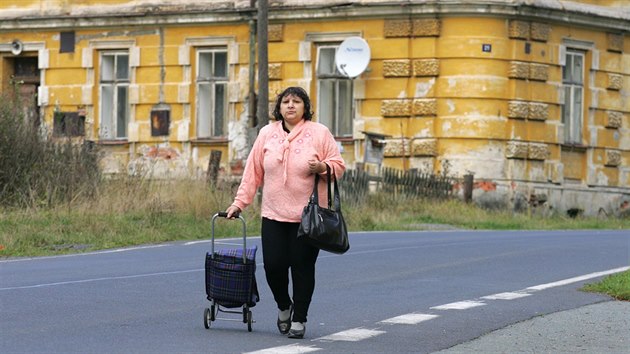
point(128, 212)
point(615, 285)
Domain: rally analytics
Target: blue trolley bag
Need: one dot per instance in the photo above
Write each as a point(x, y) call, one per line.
point(231, 280)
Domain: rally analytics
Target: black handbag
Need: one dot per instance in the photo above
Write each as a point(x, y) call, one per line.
point(324, 228)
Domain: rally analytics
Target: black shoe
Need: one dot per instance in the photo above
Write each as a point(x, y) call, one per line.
point(297, 333)
point(285, 326)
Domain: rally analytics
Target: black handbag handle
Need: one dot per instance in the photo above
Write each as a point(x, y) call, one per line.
point(337, 199)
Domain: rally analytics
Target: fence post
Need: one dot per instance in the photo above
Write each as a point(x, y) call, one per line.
point(468, 187)
point(213, 167)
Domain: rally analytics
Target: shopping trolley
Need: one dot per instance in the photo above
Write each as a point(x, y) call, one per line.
point(231, 280)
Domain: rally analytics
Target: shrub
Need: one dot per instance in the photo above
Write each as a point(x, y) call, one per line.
point(38, 170)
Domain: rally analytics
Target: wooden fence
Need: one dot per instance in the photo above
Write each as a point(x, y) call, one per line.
point(356, 184)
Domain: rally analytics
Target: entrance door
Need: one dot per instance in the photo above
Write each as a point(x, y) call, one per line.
point(26, 76)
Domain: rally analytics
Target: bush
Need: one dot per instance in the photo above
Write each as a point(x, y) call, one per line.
point(37, 170)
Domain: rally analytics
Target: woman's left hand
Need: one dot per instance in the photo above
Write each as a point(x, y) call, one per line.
point(315, 166)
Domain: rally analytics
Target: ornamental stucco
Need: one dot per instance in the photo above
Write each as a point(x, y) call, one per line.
point(538, 151)
point(613, 158)
point(518, 29)
point(538, 72)
point(275, 32)
point(518, 70)
point(424, 147)
point(614, 119)
point(538, 111)
point(426, 67)
point(614, 42)
point(396, 108)
point(539, 31)
point(396, 68)
point(615, 82)
point(424, 107)
point(516, 150)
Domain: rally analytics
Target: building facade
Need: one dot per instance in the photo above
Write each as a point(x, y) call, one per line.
point(529, 97)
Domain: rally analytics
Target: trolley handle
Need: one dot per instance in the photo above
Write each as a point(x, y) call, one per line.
point(223, 214)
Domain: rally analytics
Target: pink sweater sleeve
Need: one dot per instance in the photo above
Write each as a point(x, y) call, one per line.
point(252, 175)
point(332, 157)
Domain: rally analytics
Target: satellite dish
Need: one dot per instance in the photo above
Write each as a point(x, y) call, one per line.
point(353, 56)
point(16, 47)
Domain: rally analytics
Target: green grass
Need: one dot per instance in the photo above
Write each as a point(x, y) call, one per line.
point(131, 212)
point(616, 285)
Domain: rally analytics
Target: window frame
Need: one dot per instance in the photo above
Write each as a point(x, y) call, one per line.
point(116, 83)
point(571, 111)
point(337, 80)
point(208, 130)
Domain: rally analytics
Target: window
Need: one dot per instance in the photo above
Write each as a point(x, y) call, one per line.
point(68, 124)
point(334, 93)
point(114, 93)
point(212, 80)
point(573, 108)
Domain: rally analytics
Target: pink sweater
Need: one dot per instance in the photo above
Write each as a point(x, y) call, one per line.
point(278, 162)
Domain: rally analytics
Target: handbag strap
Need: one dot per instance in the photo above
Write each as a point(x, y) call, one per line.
point(337, 200)
point(315, 194)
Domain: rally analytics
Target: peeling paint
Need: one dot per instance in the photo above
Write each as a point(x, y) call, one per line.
point(451, 106)
point(446, 126)
point(238, 136)
point(423, 88)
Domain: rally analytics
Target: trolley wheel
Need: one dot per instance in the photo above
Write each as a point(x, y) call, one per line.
point(213, 313)
point(249, 321)
point(207, 318)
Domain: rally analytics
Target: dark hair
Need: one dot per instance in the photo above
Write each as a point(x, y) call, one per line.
point(294, 91)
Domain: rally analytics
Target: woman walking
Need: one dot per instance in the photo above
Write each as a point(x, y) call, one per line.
point(284, 158)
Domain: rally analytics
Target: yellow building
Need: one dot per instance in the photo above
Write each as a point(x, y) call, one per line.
point(530, 97)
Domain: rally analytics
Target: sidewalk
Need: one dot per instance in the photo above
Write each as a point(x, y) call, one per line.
point(599, 328)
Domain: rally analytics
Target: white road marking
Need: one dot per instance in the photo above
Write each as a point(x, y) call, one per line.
point(460, 305)
point(118, 250)
point(99, 279)
point(234, 242)
point(287, 349)
point(352, 335)
point(410, 318)
point(576, 279)
point(506, 296)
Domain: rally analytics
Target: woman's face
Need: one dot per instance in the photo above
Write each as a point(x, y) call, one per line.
point(292, 109)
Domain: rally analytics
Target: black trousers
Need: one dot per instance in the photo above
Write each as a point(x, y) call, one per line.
point(282, 250)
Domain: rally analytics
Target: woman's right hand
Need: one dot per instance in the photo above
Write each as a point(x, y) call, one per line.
point(233, 211)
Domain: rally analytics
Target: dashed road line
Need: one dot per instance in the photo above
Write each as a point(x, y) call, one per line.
point(352, 335)
point(410, 318)
point(287, 349)
point(460, 305)
point(506, 296)
point(358, 334)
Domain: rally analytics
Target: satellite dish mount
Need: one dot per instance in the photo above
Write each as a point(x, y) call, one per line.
point(352, 57)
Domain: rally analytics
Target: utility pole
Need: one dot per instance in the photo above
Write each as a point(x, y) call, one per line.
point(252, 122)
point(262, 112)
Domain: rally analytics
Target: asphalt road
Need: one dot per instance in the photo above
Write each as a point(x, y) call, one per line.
point(407, 292)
